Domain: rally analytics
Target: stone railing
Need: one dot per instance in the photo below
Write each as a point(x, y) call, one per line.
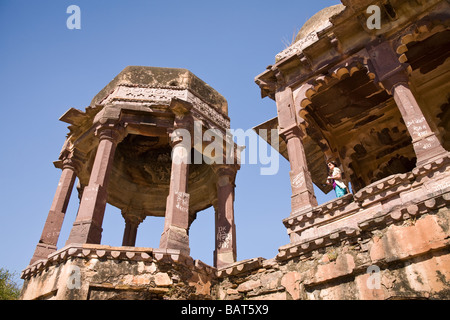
point(330, 209)
point(389, 200)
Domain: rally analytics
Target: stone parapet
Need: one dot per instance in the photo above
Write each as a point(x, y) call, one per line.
point(405, 260)
point(394, 198)
point(87, 271)
point(295, 249)
point(240, 267)
point(94, 251)
point(380, 220)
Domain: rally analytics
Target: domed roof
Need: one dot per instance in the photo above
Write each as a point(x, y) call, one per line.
point(319, 21)
point(165, 77)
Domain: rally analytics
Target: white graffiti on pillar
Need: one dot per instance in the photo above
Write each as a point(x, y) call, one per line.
point(429, 142)
point(182, 201)
point(223, 238)
point(418, 127)
point(298, 180)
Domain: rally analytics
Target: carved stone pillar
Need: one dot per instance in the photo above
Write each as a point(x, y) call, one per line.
point(425, 142)
point(393, 76)
point(176, 224)
point(303, 197)
point(52, 228)
point(132, 222)
point(87, 227)
point(225, 237)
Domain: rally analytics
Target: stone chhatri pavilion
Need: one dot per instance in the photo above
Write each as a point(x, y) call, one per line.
point(123, 149)
point(375, 100)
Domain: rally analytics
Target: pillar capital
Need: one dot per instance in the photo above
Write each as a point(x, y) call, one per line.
point(183, 117)
point(134, 217)
point(285, 107)
point(68, 162)
point(225, 171)
point(397, 78)
point(183, 125)
point(70, 158)
point(281, 78)
point(180, 136)
point(293, 131)
point(112, 131)
point(180, 107)
point(387, 68)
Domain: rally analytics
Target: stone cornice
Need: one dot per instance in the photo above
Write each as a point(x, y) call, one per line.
point(127, 96)
point(413, 194)
point(240, 267)
point(384, 188)
point(301, 220)
point(317, 52)
point(298, 248)
point(91, 251)
point(163, 94)
point(432, 201)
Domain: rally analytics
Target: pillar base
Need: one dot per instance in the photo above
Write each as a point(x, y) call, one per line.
point(441, 153)
point(42, 252)
point(303, 201)
point(175, 238)
point(85, 232)
point(223, 259)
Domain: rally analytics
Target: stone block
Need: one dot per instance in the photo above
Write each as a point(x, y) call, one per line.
point(344, 265)
point(401, 242)
point(291, 282)
point(249, 285)
point(162, 280)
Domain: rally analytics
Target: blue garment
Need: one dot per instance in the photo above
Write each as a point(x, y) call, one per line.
point(340, 192)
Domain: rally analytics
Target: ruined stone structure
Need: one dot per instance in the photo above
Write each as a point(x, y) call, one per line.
point(375, 100)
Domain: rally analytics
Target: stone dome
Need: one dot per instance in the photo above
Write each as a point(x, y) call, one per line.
point(319, 21)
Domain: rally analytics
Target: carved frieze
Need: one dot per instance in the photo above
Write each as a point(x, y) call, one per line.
point(203, 111)
point(298, 46)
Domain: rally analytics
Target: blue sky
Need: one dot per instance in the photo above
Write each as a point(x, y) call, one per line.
point(45, 69)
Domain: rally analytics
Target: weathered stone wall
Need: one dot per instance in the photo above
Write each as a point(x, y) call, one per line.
point(96, 272)
point(407, 260)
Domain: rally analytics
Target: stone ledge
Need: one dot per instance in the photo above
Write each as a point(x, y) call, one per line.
point(382, 200)
point(412, 210)
point(296, 249)
point(384, 188)
point(381, 220)
point(432, 166)
point(240, 267)
point(374, 193)
point(318, 211)
point(88, 251)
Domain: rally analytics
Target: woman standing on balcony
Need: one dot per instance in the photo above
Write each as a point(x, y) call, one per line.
point(335, 178)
